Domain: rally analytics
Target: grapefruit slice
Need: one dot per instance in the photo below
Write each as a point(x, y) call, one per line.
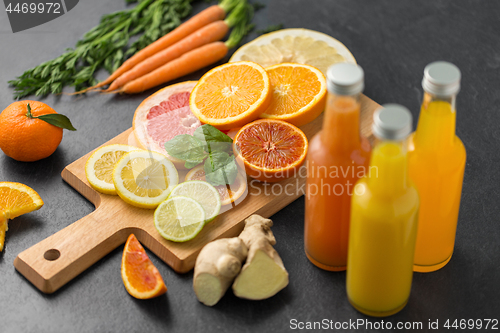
point(140, 277)
point(270, 149)
point(301, 46)
point(162, 116)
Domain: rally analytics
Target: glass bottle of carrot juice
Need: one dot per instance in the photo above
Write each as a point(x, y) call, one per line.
point(384, 214)
point(338, 156)
point(437, 162)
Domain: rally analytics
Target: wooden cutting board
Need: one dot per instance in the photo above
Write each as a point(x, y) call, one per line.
point(53, 262)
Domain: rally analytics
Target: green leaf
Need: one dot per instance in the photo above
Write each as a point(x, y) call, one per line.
point(220, 168)
point(213, 139)
point(58, 120)
point(186, 148)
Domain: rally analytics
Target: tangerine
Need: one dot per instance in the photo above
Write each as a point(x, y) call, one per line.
point(27, 139)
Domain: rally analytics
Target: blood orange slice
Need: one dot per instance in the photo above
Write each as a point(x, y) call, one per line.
point(162, 116)
point(140, 277)
point(271, 150)
point(228, 193)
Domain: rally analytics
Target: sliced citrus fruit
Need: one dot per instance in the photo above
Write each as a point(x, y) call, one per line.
point(301, 46)
point(204, 193)
point(100, 165)
point(140, 277)
point(231, 95)
point(15, 199)
point(3, 229)
point(144, 178)
point(179, 219)
point(299, 93)
point(271, 150)
point(162, 116)
point(228, 193)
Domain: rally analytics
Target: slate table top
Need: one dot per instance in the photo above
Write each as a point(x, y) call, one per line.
point(392, 41)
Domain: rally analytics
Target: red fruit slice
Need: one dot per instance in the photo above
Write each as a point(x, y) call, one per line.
point(162, 116)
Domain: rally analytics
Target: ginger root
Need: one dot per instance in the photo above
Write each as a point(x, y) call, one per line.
point(216, 266)
point(263, 274)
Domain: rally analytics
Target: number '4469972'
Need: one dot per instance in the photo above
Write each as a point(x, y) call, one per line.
point(472, 324)
point(25, 8)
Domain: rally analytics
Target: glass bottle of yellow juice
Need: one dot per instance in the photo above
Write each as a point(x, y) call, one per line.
point(384, 213)
point(338, 156)
point(436, 164)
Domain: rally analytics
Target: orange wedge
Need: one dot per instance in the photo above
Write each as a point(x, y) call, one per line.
point(140, 277)
point(231, 95)
point(299, 93)
point(15, 199)
point(228, 193)
point(271, 150)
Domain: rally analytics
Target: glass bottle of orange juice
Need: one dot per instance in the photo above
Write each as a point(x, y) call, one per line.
point(437, 163)
point(338, 156)
point(384, 213)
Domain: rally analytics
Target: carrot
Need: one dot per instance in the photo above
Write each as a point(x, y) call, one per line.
point(195, 59)
point(207, 16)
point(185, 64)
point(210, 33)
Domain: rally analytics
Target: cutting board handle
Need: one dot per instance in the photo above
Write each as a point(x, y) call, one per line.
point(56, 260)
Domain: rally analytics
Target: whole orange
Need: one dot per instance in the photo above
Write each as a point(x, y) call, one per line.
point(27, 139)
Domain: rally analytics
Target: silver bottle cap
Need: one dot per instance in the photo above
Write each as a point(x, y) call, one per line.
point(392, 122)
point(441, 78)
point(345, 79)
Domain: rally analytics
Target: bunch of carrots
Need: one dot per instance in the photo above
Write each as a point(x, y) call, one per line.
point(191, 46)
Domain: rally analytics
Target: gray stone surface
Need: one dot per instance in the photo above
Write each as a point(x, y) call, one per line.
point(392, 41)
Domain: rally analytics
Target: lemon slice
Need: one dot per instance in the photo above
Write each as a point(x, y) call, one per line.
point(144, 178)
point(204, 193)
point(301, 46)
point(100, 165)
point(179, 219)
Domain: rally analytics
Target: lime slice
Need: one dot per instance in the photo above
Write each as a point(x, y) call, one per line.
point(179, 219)
point(204, 193)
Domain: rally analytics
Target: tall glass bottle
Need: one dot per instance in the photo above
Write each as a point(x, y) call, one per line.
point(338, 156)
point(384, 215)
point(437, 162)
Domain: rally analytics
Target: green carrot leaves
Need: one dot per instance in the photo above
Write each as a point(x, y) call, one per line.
point(105, 46)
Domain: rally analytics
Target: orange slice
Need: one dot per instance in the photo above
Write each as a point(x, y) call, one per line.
point(140, 277)
point(231, 95)
point(271, 150)
point(15, 199)
point(228, 193)
point(299, 93)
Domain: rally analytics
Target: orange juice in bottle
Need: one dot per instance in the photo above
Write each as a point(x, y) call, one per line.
point(384, 213)
point(338, 156)
point(436, 164)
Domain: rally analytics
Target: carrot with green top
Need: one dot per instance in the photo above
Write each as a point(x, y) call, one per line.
point(210, 33)
point(193, 60)
point(207, 16)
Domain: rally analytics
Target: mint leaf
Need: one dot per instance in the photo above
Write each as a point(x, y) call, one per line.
point(187, 148)
point(213, 139)
point(220, 168)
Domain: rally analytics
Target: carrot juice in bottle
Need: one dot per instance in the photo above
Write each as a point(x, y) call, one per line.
point(384, 214)
point(338, 156)
point(436, 163)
